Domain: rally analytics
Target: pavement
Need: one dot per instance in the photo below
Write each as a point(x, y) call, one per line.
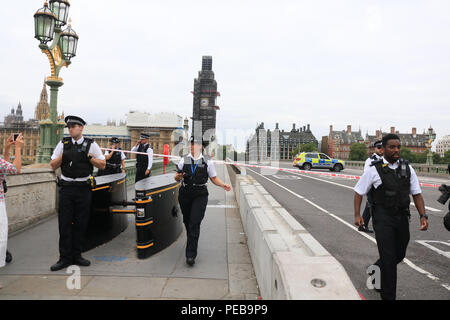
point(324, 206)
point(223, 268)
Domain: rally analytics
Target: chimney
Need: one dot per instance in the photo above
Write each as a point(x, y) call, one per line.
point(301, 129)
point(293, 127)
point(349, 129)
point(392, 129)
point(308, 128)
point(414, 132)
point(304, 128)
point(276, 126)
point(331, 128)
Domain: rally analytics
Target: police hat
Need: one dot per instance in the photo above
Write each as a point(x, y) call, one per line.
point(144, 136)
point(74, 120)
point(195, 140)
point(114, 140)
point(378, 143)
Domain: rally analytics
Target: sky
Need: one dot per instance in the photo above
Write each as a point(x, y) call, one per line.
point(369, 64)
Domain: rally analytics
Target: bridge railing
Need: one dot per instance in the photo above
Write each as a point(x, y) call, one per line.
point(421, 169)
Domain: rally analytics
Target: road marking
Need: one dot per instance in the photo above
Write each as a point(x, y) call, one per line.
point(352, 188)
point(407, 261)
point(427, 244)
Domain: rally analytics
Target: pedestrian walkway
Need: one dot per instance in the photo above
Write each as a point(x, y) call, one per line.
point(223, 268)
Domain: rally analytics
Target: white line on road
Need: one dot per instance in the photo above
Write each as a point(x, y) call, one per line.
point(352, 188)
point(407, 261)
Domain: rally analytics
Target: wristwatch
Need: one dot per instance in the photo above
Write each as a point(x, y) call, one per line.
point(90, 157)
point(424, 216)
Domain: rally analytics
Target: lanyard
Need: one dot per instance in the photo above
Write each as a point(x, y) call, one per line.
point(192, 168)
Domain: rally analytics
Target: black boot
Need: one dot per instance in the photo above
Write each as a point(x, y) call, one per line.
point(190, 261)
point(8, 257)
point(80, 261)
point(61, 264)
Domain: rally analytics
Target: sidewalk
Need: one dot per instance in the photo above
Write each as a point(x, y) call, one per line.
point(223, 268)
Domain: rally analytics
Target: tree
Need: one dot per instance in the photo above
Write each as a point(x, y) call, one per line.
point(307, 147)
point(446, 159)
point(358, 152)
point(407, 154)
point(437, 158)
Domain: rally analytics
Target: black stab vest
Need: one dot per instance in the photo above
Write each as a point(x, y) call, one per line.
point(141, 159)
point(201, 173)
point(75, 161)
point(393, 193)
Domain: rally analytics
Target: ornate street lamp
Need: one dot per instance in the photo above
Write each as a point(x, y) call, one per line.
point(44, 24)
point(48, 23)
point(431, 138)
point(68, 41)
point(61, 10)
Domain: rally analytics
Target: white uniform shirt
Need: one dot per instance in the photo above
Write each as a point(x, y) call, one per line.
point(211, 169)
point(150, 155)
point(123, 157)
point(372, 178)
point(94, 150)
point(369, 161)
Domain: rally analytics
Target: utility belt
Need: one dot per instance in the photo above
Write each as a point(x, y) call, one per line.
point(113, 165)
point(89, 182)
point(392, 211)
point(194, 185)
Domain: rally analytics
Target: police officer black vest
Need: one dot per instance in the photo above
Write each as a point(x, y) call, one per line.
point(141, 159)
point(116, 158)
point(200, 177)
point(393, 193)
point(75, 161)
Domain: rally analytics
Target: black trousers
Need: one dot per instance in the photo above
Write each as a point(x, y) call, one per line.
point(73, 217)
point(366, 214)
point(193, 206)
point(140, 173)
point(392, 235)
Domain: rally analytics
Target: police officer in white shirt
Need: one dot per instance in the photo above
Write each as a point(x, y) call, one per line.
point(76, 156)
point(378, 154)
point(115, 160)
point(393, 180)
point(143, 162)
point(194, 171)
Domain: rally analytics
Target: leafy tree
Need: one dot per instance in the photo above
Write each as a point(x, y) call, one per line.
point(407, 154)
point(307, 147)
point(358, 152)
point(446, 159)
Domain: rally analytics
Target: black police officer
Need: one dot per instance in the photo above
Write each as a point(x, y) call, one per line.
point(378, 154)
point(194, 171)
point(143, 162)
point(76, 155)
point(394, 180)
point(115, 160)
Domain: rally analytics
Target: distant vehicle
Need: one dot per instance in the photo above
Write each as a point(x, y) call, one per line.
point(310, 160)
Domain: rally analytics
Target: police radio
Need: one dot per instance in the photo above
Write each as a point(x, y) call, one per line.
point(403, 165)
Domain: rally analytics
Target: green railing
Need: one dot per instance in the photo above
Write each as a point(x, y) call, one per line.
point(421, 169)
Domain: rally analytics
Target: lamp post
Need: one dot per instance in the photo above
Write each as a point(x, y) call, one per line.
point(431, 138)
point(48, 23)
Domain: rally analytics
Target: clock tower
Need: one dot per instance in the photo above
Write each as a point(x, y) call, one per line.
point(205, 95)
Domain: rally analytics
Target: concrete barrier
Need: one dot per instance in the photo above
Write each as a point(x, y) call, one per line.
point(31, 197)
point(289, 263)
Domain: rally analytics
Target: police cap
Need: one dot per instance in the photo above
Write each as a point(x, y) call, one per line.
point(74, 120)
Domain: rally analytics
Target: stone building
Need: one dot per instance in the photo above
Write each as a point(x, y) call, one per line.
point(417, 143)
point(261, 144)
point(338, 142)
point(443, 145)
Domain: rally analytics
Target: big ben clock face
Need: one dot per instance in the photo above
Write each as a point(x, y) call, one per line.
point(204, 102)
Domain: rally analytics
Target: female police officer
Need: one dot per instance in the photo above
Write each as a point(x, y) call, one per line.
point(194, 169)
